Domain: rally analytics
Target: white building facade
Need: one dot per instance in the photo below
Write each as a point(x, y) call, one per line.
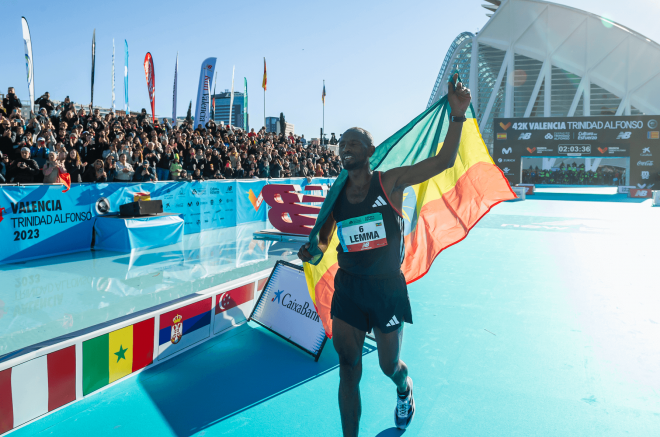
point(539, 59)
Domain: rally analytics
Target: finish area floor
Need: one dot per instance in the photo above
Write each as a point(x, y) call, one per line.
point(544, 321)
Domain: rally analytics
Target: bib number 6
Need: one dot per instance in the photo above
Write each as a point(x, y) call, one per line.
point(361, 228)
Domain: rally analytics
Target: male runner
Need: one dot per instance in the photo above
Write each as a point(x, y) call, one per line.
point(370, 289)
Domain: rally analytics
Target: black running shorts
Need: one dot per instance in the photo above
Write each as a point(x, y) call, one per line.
point(367, 301)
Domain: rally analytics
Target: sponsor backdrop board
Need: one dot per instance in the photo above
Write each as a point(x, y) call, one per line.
point(37, 221)
point(634, 137)
point(40, 219)
point(232, 307)
point(285, 308)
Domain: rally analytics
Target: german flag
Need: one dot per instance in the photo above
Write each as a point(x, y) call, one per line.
point(437, 213)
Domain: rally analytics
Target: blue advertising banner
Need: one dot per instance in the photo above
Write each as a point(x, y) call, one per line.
point(37, 221)
point(250, 206)
point(40, 219)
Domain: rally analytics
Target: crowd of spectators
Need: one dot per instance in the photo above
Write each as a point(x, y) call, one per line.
point(574, 174)
point(116, 147)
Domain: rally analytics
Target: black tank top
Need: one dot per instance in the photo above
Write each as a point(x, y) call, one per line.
point(370, 233)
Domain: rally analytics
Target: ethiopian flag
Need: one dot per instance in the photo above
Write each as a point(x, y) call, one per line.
point(117, 354)
point(437, 213)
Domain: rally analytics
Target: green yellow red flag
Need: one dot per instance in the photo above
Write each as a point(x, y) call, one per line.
point(116, 354)
point(437, 213)
point(264, 82)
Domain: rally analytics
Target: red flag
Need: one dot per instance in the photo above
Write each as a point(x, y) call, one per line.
point(151, 82)
point(65, 178)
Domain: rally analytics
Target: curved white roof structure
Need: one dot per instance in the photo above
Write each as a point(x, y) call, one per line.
point(539, 59)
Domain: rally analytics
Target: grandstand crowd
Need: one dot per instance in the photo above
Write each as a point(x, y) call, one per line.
point(116, 147)
point(574, 174)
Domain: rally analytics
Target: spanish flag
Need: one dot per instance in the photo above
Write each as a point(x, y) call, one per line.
point(263, 83)
point(65, 178)
point(437, 213)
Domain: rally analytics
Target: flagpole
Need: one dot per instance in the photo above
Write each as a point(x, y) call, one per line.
point(323, 124)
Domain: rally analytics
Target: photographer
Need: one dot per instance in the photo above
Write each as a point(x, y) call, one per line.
point(50, 169)
point(44, 102)
point(24, 169)
point(40, 152)
point(145, 173)
point(11, 102)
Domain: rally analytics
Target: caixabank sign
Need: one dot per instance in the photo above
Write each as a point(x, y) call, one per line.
point(636, 138)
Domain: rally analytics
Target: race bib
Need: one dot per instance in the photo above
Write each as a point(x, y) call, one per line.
point(362, 233)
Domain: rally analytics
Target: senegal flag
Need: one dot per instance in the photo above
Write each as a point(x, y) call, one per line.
point(116, 354)
point(437, 213)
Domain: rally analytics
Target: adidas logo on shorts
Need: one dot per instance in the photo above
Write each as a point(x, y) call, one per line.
point(392, 322)
point(379, 202)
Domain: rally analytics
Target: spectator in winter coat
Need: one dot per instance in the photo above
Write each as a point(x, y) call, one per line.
point(11, 102)
point(24, 169)
point(175, 169)
point(44, 102)
point(96, 173)
point(125, 171)
point(40, 152)
point(4, 166)
point(110, 168)
point(145, 173)
point(74, 167)
point(51, 169)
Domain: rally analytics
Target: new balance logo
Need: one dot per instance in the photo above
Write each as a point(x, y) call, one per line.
point(379, 202)
point(393, 322)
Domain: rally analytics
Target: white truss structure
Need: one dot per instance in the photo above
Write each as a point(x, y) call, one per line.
point(539, 59)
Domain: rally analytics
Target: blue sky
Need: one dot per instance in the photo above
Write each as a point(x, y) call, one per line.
point(379, 58)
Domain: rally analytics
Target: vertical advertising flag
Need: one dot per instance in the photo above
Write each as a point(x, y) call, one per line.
point(203, 105)
point(93, 63)
point(113, 74)
point(231, 97)
point(151, 82)
point(126, 107)
point(264, 81)
point(245, 103)
point(176, 69)
point(323, 95)
point(215, 82)
point(29, 66)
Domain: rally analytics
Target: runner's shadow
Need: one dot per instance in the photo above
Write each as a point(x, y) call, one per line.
point(224, 377)
point(391, 432)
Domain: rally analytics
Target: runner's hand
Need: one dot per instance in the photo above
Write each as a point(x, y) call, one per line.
point(304, 254)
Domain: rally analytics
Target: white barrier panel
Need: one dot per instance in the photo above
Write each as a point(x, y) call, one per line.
point(621, 189)
point(78, 367)
point(520, 192)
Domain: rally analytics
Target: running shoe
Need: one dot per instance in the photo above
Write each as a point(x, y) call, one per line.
point(405, 408)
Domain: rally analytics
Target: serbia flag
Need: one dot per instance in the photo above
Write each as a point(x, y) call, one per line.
point(184, 327)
